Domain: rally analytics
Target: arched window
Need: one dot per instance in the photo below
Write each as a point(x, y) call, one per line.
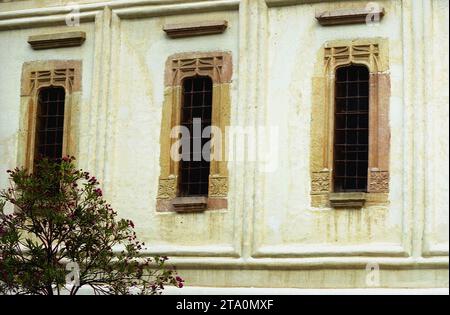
point(50, 123)
point(196, 109)
point(351, 129)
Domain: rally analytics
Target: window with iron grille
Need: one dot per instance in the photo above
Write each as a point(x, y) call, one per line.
point(351, 129)
point(50, 123)
point(197, 104)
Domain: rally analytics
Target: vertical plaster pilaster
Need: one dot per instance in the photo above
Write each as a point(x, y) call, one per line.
point(100, 95)
point(414, 111)
point(252, 97)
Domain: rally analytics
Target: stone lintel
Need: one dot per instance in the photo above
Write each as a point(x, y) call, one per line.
point(347, 16)
point(57, 40)
point(195, 28)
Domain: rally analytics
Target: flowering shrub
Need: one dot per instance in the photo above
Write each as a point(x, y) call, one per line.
point(61, 219)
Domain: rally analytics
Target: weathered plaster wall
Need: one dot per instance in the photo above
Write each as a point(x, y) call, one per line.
point(270, 236)
point(142, 53)
point(14, 52)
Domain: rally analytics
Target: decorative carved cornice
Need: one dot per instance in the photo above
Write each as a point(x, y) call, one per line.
point(367, 54)
point(216, 65)
point(195, 29)
point(37, 74)
point(58, 40)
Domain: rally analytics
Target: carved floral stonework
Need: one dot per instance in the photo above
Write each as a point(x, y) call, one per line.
point(40, 74)
point(378, 181)
point(216, 65)
point(167, 188)
point(368, 54)
point(218, 186)
point(64, 77)
point(37, 74)
point(320, 182)
point(374, 54)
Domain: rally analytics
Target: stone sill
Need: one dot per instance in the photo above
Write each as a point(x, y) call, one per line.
point(348, 200)
point(191, 204)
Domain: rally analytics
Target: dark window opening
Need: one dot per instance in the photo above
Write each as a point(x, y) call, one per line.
point(50, 123)
point(351, 129)
point(197, 104)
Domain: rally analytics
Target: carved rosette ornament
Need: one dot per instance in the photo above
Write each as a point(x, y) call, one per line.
point(320, 182)
point(167, 188)
point(218, 186)
point(378, 181)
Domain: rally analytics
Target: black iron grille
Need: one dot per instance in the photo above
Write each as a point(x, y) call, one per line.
point(50, 123)
point(351, 134)
point(197, 103)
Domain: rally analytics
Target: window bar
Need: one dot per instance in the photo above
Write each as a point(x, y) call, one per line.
point(351, 134)
point(197, 103)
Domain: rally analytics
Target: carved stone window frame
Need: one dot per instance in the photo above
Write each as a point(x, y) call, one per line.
point(218, 66)
point(373, 53)
point(37, 75)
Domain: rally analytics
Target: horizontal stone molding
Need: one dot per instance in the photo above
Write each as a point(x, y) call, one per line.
point(45, 20)
point(174, 9)
point(190, 251)
point(123, 9)
point(322, 263)
point(282, 3)
point(320, 250)
point(436, 250)
point(57, 40)
point(347, 16)
point(195, 28)
point(100, 6)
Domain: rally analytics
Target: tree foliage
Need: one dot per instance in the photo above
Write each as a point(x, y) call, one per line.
point(60, 219)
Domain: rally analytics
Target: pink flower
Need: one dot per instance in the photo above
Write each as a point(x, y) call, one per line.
point(2, 231)
point(98, 192)
point(179, 279)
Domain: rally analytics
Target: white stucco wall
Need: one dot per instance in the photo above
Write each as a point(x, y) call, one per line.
point(270, 236)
